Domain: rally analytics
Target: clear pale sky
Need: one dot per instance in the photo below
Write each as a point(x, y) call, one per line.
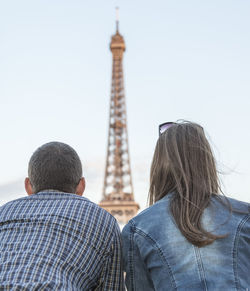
point(184, 60)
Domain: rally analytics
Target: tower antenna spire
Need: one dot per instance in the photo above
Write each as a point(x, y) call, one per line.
point(117, 18)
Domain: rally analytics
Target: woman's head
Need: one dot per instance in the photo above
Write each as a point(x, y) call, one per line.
point(183, 163)
point(183, 160)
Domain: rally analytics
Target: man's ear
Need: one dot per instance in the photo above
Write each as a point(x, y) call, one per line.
point(80, 187)
point(28, 186)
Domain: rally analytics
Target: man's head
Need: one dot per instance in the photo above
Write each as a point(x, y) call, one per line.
point(55, 166)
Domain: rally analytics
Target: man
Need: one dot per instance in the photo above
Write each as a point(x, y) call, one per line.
point(54, 239)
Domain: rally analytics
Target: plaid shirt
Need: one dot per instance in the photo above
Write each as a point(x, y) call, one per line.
point(58, 241)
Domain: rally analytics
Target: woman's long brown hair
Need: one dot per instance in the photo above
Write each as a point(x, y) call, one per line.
point(184, 164)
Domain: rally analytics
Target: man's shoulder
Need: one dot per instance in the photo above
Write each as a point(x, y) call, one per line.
point(56, 203)
point(49, 197)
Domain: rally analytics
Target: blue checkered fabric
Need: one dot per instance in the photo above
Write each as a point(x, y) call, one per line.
point(58, 241)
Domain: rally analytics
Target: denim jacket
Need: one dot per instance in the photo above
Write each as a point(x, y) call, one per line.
point(158, 257)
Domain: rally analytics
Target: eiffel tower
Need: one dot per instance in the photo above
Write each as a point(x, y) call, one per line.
point(118, 197)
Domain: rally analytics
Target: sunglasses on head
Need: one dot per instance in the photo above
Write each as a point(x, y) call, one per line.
point(164, 126)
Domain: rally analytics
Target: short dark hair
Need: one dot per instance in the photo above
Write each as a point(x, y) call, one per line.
point(55, 166)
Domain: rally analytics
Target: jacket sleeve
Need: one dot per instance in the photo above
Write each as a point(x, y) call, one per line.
point(242, 253)
point(137, 275)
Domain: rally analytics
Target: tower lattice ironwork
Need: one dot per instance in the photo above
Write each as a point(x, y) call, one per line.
point(118, 196)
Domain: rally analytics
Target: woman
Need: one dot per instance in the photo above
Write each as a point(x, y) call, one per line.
point(191, 237)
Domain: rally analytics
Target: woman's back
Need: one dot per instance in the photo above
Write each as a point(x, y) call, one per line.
point(158, 257)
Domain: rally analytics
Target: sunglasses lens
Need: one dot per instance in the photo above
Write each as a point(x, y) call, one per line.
point(165, 126)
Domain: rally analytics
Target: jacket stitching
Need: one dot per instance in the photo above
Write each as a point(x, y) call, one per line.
point(235, 250)
point(200, 266)
point(153, 242)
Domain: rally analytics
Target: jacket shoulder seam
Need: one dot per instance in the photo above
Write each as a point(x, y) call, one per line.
point(159, 250)
point(235, 249)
